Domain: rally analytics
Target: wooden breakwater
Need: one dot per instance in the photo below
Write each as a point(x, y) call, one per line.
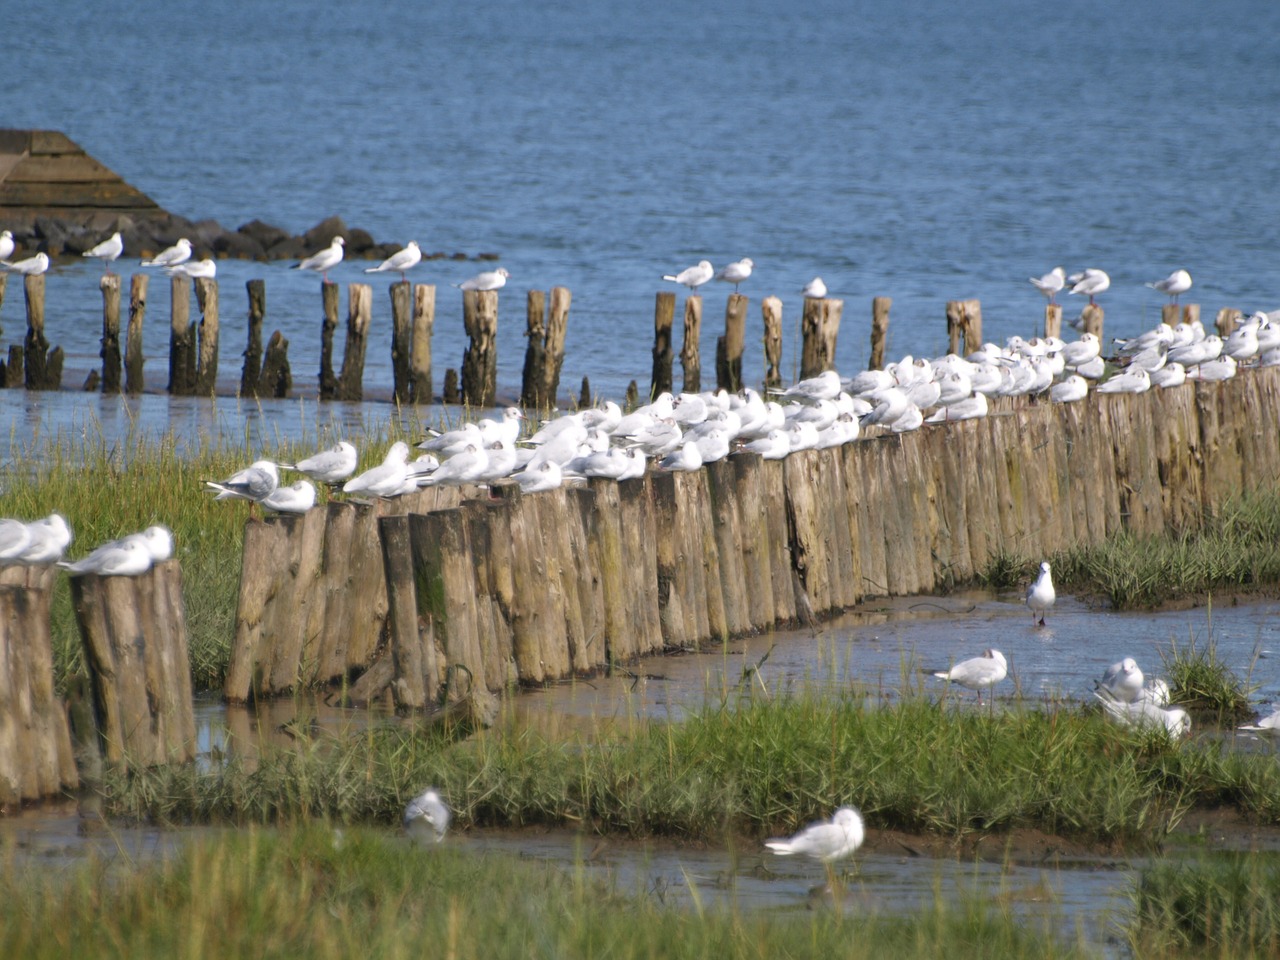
point(540, 587)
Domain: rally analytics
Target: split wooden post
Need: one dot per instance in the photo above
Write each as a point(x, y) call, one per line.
point(110, 352)
point(480, 358)
point(1053, 320)
point(43, 370)
point(206, 375)
point(251, 372)
point(277, 378)
point(133, 358)
point(424, 318)
point(664, 315)
point(535, 350)
point(771, 311)
point(401, 340)
point(819, 327)
point(182, 354)
point(690, 358)
point(729, 347)
point(330, 295)
point(879, 330)
point(964, 326)
point(553, 354)
point(1091, 318)
point(1191, 313)
point(359, 318)
point(1228, 318)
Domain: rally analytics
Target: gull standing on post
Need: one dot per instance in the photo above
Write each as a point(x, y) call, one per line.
point(736, 272)
point(180, 252)
point(1091, 283)
point(385, 479)
point(30, 267)
point(108, 250)
point(254, 482)
point(1051, 283)
point(194, 269)
point(1174, 285)
point(399, 262)
point(297, 497)
point(489, 280)
point(978, 672)
point(1040, 595)
point(815, 289)
point(328, 466)
point(693, 277)
point(326, 259)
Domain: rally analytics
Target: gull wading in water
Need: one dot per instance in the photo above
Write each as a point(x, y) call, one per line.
point(399, 262)
point(826, 840)
point(1040, 595)
point(108, 250)
point(325, 260)
point(736, 272)
point(693, 277)
point(1144, 714)
point(489, 280)
point(427, 810)
point(978, 672)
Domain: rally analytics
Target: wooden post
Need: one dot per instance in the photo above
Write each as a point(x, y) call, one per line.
point(879, 330)
point(480, 359)
point(1190, 313)
point(1169, 314)
point(416, 671)
point(729, 347)
point(251, 373)
point(1228, 318)
point(446, 585)
point(557, 329)
point(329, 296)
point(206, 378)
point(771, 310)
point(277, 378)
point(664, 315)
point(43, 366)
point(401, 340)
point(1091, 320)
point(424, 318)
point(535, 350)
point(451, 393)
point(690, 360)
point(133, 358)
point(964, 326)
point(110, 352)
point(819, 327)
point(4, 283)
point(359, 317)
point(182, 362)
point(14, 372)
point(1053, 320)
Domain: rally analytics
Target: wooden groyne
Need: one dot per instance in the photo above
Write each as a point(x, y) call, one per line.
point(540, 587)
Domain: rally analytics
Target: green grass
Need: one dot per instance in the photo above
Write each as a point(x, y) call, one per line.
point(756, 771)
point(308, 892)
point(1202, 683)
point(1224, 905)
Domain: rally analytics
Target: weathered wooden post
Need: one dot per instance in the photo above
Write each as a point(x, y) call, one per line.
point(401, 340)
point(110, 352)
point(729, 347)
point(964, 325)
point(771, 311)
point(329, 297)
point(4, 283)
point(1228, 318)
point(819, 327)
point(206, 375)
point(553, 355)
point(690, 359)
point(664, 315)
point(182, 353)
point(1190, 313)
point(1091, 318)
point(879, 330)
point(43, 366)
point(424, 318)
point(359, 316)
point(135, 637)
point(416, 669)
point(535, 350)
point(133, 359)
point(36, 758)
point(480, 359)
point(251, 372)
point(1169, 314)
point(1053, 320)
point(277, 377)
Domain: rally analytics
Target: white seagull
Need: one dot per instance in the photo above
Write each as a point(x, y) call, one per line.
point(325, 260)
point(14, 537)
point(1174, 285)
point(180, 252)
point(736, 272)
point(328, 466)
point(387, 478)
point(826, 840)
point(297, 497)
point(194, 269)
point(815, 289)
point(1074, 388)
point(108, 250)
point(1143, 714)
point(693, 277)
point(1267, 724)
point(254, 482)
point(427, 810)
point(1040, 595)
point(6, 244)
point(1091, 283)
point(49, 537)
point(1051, 283)
point(489, 280)
point(120, 558)
point(1122, 681)
point(30, 267)
point(399, 262)
point(977, 673)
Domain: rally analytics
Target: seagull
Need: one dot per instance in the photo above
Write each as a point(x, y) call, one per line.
point(399, 262)
point(180, 252)
point(1174, 285)
point(736, 272)
point(325, 260)
point(14, 537)
point(385, 479)
point(826, 840)
point(545, 476)
point(429, 810)
point(328, 466)
point(686, 458)
point(978, 672)
point(1133, 380)
point(1122, 681)
point(108, 250)
point(774, 445)
point(297, 497)
point(467, 466)
point(1051, 283)
point(825, 386)
point(194, 269)
point(48, 538)
point(6, 244)
point(1142, 714)
point(489, 280)
point(254, 482)
point(1081, 351)
point(120, 558)
point(30, 267)
point(693, 277)
point(815, 289)
point(1267, 724)
point(1222, 368)
point(1091, 283)
point(1170, 375)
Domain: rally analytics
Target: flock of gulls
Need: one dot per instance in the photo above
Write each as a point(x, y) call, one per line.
point(44, 541)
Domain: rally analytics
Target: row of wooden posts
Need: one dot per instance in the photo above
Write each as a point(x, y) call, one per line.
point(446, 591)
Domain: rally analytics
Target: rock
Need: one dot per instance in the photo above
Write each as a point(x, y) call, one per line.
point(488, 256)
point(51, 235)
point(206, 232)
point(291, 248)
point(322, 234)
point(266, 235)
point(359, 242)
point(238, 245)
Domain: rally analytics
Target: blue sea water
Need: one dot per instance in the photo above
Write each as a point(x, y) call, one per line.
point(924, 151)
